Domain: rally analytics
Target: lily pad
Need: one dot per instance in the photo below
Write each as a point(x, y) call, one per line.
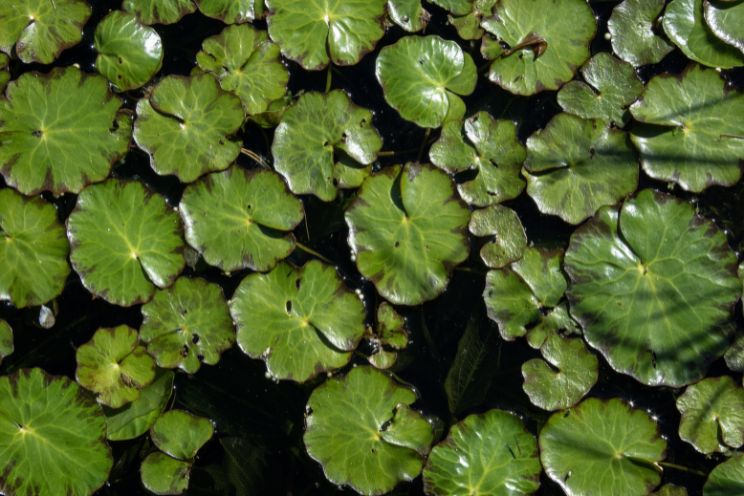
point(345, 431)
point(6, 340)
point(164, 475)
point(390, 335)
point(233, 11)
point(185, 126)
point(325, 142)
point(422, 76)
point(187, 324)
point(693, 137)
point(734, 356)
point(301, 322)
point(408, 14)
point(456, 7)
point(181, 434)
point(52, 437)
point(575, 166)
point(489, 454)
point(469, 25)
point(129, 53)
point(407, 231)
point(653, 285)
point(136, 418)
point(60, 131)
point(602, 447)
point(509, 239)
point(726, 20)
point(632, 29)
point(540, 53)
point(40, 30)
point(159, 11)
point(316, 33)
point(114, 366)
point(727, 478)
point(33, 250)
point(247, 64)
point(126, 241)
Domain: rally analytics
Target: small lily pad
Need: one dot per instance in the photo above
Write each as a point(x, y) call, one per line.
point(163, 475)
point(632, 29)
point(136, 418)
point(509, 239)
point(727, 478)
point(408, 14)
point(390, 336)
point(181, 434)
point(159, 11)
point(726, 20)
point(469, 25)
point(6, 340)
point(233, 11)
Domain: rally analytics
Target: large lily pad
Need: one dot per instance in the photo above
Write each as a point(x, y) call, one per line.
point(602, 447)
point(52, 437)
point(346, 431)
point(633, 37)
point(233, 11)
point(181, 434)
point(407, 231)
point(6, 340)
point(301, 322)
point(539, 53)
point(185, 126)
point(136, 418)
point(727, 478)
point(60, 131)
point(325, 142)
point(693, 137)
point(653, 286)
point(484, 455)
point(726, 19)
point(126, 241)
point(509, 239)
point(422, 76)
point(159, 11)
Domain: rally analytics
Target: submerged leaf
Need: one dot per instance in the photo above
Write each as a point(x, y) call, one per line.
point(136, 418)
point(632, 27)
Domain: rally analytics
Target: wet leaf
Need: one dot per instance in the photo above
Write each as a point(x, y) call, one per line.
point(159, 11)
point(727, 478)
point(509, 239)
point(632, 26)
point(180, 434)
point(469, 25)
point(408, 14)
point(232, 11)
point(164, 475)
point(136, 418)
point(726, 20)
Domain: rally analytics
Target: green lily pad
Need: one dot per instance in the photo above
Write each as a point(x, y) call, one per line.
point(509, 239)
point(301, 322)
point(557, 320)
point(60, 131)
point(114, 366)
point(407, 231)
point(129, 53)
point(325, 142)
point(633, 37)
point(187, 324)
point(611, 86)
point(241, 219)
point(653, 285)
point(422, 76)
point(345, 431)
point(693, 136)
point(33, 250)
point(6, 340)
point(575, 166)
point(602, 447)
point(670, 490)
point(540, 53)
point(52, 437)
point(491, 454)
point(4, 71)
point(727, 478)
point(456, 7)
point(181, 434)
point(492, 149)
point(685, 25)
point(136, 418)
point(734, 356)
point(316, 33)
point(125, 240)
point(185, 126)
point(469, 25)
point(163, 475)
point(390, 336)
point(408, 14)
point(233, 11)
point(712, 415)
point(726, 20)
point(159, 11)
point(247, 64)
point(40, 30)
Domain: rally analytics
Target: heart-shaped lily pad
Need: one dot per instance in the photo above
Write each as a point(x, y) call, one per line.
point(602, 447)
point(52, 437)
point(726, 19)
point(125, 242)
point(727, 478)
point(408, 14)
point(33, 250)
point(632, 30)
point(325, 142)
point(180, 434)
point(407, 230)
point(233, 11)
point(509, 239)
point(301, 322)
point(163, 475)
point(653, 285)
point(347, 431)
point(60, 131)
point(136, 418)
point(6, 340)
point(159, 11)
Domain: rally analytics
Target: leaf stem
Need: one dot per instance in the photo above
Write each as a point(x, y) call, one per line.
point(682, 468)
point(329, 78)
point(309, 250)
point(255, 157)
point(423, 145)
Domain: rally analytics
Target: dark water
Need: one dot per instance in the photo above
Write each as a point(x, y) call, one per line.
point(259, 422)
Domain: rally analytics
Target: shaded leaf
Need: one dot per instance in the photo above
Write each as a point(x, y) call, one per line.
point(632, 27)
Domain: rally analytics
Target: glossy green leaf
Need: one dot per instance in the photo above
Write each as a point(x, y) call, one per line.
point(653, 285)
point(735, 354)
point(509, 239)
point(163, 475)
point(469, 25)
point(456, 7)
point(159, 11)
point(233, 11)
point(181, 434)
point(726, 20)
point(408, 429)
point(491, 454)
point(408, 14)
point(126, 241)
point(727, 478)
point(407, 231)
point(6, 340)
point(632, 28)
point(136, 418)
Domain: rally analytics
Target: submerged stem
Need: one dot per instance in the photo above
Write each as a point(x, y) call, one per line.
point(682, 468)
point(309, 250)
point(255, 157)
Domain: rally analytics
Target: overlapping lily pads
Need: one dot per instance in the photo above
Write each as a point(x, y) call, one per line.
point(726, 19)
point(163, 475)
point(632, 29)
point(136, 418)
point(389, 336)
point(509, 239)
point(469, 25)
point(180, 434)
point(159, 11)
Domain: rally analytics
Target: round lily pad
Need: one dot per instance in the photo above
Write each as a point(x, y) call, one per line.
point(408, 14)
point(181, 434)
point(484, 455)
point(52, 437)
point(353, 430)
point(159, 11)
point(187, 324)
point(693, 136)
point(407, 230)
point(316, 33)
point(575, 166)
point(114, 366)
point(325, 142)
point(233, 11)
point(241, 219)
point(602, 447)
point(136, 418)
point(126, 241)
point(539, 53)
point(33, 250)
point(653, 285)
point(509, 239)
point(185, 126)
point(301, 322)
point(163, 475)
point(422, 76)
point(6, 340)
point(60, 131)
point(727, 478)
point(633, 36)
point(129, 53)
point(726, 20)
